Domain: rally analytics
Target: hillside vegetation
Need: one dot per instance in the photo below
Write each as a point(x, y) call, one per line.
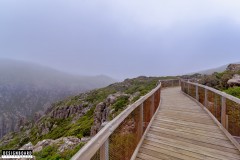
point(220, 80)
point(78, 116)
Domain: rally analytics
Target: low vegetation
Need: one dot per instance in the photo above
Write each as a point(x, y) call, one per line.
point(76, 125)
point(235, 91)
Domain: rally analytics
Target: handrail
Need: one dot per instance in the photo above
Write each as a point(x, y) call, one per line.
point(99, 139)
point(228, 96)
point(140, 112)
point(223, 107)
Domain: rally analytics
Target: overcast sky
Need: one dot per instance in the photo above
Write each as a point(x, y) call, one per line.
point(121, 38)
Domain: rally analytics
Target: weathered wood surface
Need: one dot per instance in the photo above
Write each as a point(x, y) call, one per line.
point(183, 130)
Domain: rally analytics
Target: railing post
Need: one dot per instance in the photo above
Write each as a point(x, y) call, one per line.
point(223, 112)
point(141, 125)
point(179, 82)
point(184, 86)
point(188, 88)
point(152, 106)
point(206, 97)
point(104, 151)
point(226, 122)
point(197, 95)
point(172, 83)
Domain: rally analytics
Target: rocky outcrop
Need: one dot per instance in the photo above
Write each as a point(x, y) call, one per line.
point(234, 81)
point(102, 110)
point(67, 111)
point(100, 116)
point(63, 144)
point(233, 67)
point(11, 122)
point(62, 113)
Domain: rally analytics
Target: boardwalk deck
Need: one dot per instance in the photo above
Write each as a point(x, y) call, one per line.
point(183, 130)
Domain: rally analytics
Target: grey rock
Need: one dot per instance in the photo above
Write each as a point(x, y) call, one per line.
point(63, 143)
point(233, 67)
point(41, 144)
point(28, 146)
point(235, 81)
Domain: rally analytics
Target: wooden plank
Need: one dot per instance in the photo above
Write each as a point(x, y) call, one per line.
point(205, 139)
point(173, 149)
point(203, 144)
point(194, 148)
point(186, 123)
point(150, 154)
point(213, 130)
point(178, 150)
point(183, 117)
point(166, 152)
point(191, 131)
point(182, 112)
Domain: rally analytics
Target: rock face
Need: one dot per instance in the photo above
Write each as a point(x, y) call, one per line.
point(11, 122)
point(101, 112)
point(233, 67)
point(63, 143)
point(235, 81)
point(63, 113)
point(100, 116)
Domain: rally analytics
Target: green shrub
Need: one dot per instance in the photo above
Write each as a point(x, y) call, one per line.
point(120, 103)
point(235, 91)
point(48, 153)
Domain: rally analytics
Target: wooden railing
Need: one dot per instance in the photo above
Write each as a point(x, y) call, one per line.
point(224, 107)
point(170, 83)
point(119, 138)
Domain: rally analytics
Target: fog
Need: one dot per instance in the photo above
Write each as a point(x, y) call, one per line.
point(121, 38)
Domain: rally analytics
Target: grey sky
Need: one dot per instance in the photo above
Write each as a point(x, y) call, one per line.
point(121, 38)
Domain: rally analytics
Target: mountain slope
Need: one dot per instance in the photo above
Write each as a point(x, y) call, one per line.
point(26, 88)
point(78, 117)
point(217, 69)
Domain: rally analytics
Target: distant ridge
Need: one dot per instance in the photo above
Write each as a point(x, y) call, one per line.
point(217, 69)
point(28, 88)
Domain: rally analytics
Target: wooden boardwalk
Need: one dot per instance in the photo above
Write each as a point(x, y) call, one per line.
point(183, 130)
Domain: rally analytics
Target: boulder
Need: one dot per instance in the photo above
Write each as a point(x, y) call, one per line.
point(67, 143)
point(28, 146)
point(233, 67)
point(234, 81)
point(41, 144)
point(63, 143)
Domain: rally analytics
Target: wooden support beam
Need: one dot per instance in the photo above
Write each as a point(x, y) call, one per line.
point(104, 151)
point(152, 106)
point(227, 122)
point(197, 95)
point(205, 97)
point(140, 127)
point(223, 112)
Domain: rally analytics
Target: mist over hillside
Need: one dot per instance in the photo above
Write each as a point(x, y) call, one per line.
point(27, 88)
point(217, 69)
